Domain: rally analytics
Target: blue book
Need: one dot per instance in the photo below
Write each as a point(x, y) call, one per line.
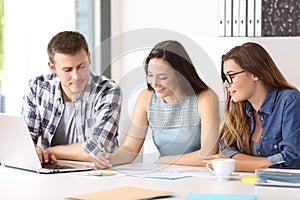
point(199, 196)
point(284, 175)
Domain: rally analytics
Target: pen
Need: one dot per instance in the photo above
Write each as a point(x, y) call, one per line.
point(101, 161)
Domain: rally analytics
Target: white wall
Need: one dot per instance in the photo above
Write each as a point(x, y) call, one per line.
point(137, 25)
point(29, 26)
point(285, 53)
point(192, 22)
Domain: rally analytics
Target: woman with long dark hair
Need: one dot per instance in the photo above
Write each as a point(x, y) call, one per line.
point(178, 106)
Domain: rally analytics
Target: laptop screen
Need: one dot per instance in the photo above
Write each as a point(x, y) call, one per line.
point(17, 148)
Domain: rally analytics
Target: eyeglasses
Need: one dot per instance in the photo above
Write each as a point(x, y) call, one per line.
point(229, 77)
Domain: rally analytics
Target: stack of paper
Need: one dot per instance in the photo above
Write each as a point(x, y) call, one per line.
point(278, 177)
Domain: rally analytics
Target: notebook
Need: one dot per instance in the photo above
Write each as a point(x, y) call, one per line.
point(17, 149)
point(281, 177)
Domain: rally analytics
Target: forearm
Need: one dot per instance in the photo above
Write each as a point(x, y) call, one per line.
point(123, 155)
point(70, 152)
point(247, 163)
point(189, 159)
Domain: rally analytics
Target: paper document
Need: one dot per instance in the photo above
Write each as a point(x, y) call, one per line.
point(169, 172)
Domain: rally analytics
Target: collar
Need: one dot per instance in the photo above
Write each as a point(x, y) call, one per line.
point(84, 95)
point(57, 94)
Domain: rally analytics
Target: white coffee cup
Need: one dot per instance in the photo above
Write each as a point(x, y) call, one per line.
point(222, 168)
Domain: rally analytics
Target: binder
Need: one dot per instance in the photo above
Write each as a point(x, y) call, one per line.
point(243, 17)
point(235, 18)
point(221, 18)
point(250, 17)
point(228, 18)
point(258, 18)
point(280, 19)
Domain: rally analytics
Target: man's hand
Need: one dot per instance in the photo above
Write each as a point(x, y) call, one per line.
point(45, 156)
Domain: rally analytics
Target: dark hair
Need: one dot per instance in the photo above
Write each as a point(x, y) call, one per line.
point(67, 42)
point(175, 54)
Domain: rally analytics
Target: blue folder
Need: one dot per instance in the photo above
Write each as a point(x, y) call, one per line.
point(199, 196)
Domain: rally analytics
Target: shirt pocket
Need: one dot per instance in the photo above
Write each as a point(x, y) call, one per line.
point(270, 145)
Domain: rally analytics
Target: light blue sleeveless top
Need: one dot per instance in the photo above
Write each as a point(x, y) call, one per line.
point(176, 127)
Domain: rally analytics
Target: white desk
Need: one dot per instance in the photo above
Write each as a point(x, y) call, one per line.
point(18, 184)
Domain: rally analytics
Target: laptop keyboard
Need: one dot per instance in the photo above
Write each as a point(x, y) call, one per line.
point(55, 166)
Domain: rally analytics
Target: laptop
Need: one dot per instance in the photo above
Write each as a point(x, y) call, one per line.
point(17, 149)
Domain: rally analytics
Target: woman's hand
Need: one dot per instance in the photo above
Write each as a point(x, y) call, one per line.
point(209, 158)
point(103, 161)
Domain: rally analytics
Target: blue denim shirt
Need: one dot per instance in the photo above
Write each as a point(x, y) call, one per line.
point(279, 116)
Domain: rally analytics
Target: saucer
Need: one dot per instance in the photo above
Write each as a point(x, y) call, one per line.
point(221, 178)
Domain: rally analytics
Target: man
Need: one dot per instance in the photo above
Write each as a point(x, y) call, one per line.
point(75, 113)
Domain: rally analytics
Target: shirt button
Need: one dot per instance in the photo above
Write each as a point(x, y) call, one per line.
point(262, 119)
point(258, 153)
point(275, 146)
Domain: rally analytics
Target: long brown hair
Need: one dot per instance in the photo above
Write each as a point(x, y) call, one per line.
point(174, 53)
point(253, 58)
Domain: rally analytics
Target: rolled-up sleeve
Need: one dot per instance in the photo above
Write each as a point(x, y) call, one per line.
point(276, 159)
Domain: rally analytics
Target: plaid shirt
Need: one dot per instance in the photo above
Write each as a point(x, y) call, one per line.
point(97, 112)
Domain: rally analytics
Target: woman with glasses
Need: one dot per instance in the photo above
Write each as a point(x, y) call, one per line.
point(261, 128)
point(178, 106)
